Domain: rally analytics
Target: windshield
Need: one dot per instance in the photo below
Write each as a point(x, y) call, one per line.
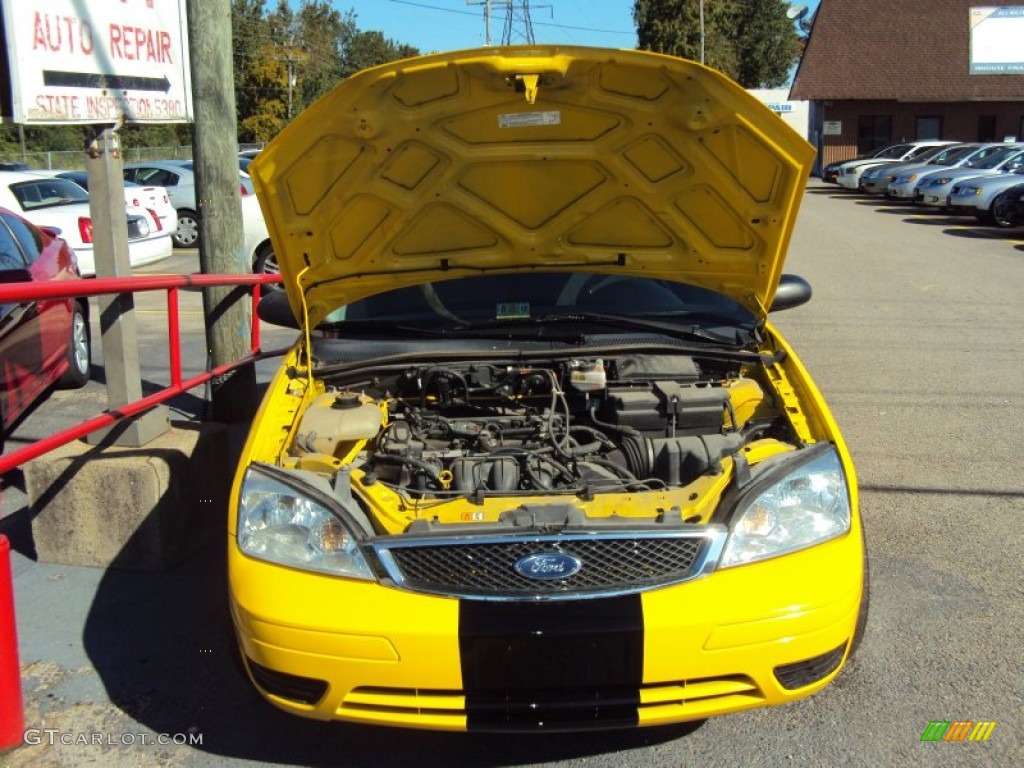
point(952, 155)
point(47, 193)
point(932, 152)
point(993, 158)
point(490, 300)
point(896, 151)
point(924, 153)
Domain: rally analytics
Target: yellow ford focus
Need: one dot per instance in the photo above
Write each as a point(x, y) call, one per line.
point(538, 460)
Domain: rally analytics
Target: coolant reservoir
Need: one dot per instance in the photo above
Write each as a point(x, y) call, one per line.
point(336, 418)
point(587, 375)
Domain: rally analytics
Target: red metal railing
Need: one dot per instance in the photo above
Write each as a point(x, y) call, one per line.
point(114, 285)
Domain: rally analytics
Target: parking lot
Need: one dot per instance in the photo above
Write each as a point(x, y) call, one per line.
point(914, 338)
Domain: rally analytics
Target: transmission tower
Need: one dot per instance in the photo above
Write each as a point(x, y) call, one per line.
point(518, 28)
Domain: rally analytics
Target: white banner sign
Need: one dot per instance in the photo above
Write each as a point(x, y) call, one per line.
point(997, 40)
point(98, 61)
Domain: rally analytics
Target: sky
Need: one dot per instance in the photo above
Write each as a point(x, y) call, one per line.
point(442, 25)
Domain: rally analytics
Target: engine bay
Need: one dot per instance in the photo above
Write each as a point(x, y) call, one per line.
point(582, 426)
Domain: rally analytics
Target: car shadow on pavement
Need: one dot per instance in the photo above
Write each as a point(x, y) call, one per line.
point(161, 643)
point(981, 233)
point(934, 220)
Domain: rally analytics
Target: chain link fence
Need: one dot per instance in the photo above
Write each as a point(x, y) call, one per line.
point(74, 160)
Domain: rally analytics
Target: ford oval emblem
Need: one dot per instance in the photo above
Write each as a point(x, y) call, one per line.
point(549, 566)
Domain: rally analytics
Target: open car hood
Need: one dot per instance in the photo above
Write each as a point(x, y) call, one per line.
point(527, 158)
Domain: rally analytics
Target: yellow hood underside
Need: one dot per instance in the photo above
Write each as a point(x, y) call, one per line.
point(512, 159)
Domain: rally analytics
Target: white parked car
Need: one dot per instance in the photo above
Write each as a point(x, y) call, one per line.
point(849, 174)
point(256, 238)
point(152, 198)
point(62, 205)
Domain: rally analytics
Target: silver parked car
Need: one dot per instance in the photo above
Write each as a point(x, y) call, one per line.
point(178, 178)
point(933, 189)
point(977, 195)
point(904, 185)
point(876, 178)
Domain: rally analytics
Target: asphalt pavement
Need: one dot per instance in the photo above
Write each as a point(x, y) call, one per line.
point(913, 336)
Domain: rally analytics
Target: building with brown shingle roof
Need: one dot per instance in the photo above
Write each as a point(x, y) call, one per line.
point(883, 71)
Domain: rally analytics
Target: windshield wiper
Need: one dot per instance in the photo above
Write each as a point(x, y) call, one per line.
point(542, 327)
point(382, 328)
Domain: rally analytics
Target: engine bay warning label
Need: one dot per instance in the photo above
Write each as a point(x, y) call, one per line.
point(527, 119)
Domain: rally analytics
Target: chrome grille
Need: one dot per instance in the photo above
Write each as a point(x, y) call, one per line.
point(611, 563)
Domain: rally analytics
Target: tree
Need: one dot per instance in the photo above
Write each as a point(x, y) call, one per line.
point(752, 41)
point(769, 42)
point(370, 49)
point(288, 57)
point(248, 35)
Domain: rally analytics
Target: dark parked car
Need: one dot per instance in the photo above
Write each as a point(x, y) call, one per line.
point(44, 342)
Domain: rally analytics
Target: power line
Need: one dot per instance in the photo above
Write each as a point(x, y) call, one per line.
point(535, 23)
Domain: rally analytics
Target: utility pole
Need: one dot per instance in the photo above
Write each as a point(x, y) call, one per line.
point(215, 155)
point(487, 17)
point(701, 31)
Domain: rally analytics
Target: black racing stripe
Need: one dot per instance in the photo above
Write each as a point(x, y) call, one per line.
point(552, 666)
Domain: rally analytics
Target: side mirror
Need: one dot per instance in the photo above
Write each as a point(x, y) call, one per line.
point(793, 291)
point(275, 309)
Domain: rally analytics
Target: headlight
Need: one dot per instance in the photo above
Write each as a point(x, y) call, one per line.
point(939, 182)
point(805, 507)
point(911, 177)
point(281, 524)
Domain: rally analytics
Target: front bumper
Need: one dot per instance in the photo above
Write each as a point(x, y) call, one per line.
point(901, 191)
point(150, 250)
point(848, 180)
point(874, 186)
point(755, 635)
point(937, 197)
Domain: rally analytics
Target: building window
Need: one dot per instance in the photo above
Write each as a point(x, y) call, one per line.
point(986, 128)
point(873, 132)
point(929, 128)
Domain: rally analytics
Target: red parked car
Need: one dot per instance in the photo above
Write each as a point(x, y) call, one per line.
point(43, 342)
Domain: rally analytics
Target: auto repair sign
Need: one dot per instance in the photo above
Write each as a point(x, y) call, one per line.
point(97, 61)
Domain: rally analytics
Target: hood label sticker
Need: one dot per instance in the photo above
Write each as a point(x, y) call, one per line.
point(527, 119)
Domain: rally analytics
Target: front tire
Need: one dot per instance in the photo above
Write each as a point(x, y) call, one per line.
point(79, 354)
point(265, 262)
point(187, 235)
point(999, 217)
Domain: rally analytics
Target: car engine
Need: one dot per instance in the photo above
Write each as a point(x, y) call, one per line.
point(576, 426)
